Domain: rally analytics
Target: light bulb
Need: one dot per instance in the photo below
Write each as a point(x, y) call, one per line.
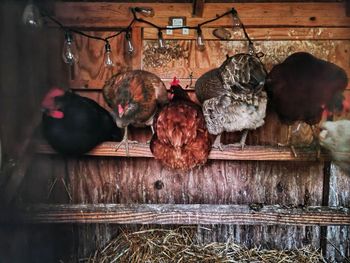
point(145, 11)
point(160, 40)
point(130, 47)
point(31, 15)
point(108, 62)
point(236, 22)
point(251, 49)
point(69, 52)
point(200, 40)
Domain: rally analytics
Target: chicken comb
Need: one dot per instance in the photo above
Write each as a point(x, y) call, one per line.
point(48, 100)
point(175, 82)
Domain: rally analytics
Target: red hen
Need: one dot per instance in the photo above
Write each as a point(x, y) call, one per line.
point(181, 140)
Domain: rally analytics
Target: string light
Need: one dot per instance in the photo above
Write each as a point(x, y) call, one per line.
point(108, 62)
point(145, 11)
point(236, 23)
point(69, 52)
point(251, 49)
point(130, 47)
point(31, 15)
point(160, 39)
point(200, 40)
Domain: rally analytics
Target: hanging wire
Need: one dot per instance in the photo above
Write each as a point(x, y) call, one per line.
point(134, 11)
point(65, 29)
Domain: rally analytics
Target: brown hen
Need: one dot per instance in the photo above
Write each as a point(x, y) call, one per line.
point(181, 140)
point(135, 97)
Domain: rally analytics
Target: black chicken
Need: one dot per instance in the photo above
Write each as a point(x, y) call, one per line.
point(303, 87)
point(73, 124)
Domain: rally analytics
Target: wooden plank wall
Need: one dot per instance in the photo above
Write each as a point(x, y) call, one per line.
point(278, 29)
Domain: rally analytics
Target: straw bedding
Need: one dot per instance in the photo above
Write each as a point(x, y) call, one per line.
point(180, 245)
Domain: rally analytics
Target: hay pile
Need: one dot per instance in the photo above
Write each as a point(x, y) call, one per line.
point(179, 245)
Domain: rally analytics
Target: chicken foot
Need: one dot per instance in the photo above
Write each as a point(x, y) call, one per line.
point(217, 143)
point(241, 143)
point(125, 141)
point(149, 141)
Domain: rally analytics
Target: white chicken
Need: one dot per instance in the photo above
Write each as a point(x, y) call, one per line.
point(335, 137)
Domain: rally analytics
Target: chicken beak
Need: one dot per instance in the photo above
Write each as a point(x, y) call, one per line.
point(120, 111)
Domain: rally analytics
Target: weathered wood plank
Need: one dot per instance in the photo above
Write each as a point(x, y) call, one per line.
point(186, 214)
point(252, 14)
point(91, 53)
point(338, 237)
point(198, 8)
point(190, 60)
point(278, 33)
point(253, 153)
point(181, 58)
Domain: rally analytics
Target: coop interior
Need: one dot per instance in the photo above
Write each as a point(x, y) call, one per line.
point(282, 193)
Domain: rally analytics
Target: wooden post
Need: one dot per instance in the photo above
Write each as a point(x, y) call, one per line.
point(325, 202)
point(198, 8)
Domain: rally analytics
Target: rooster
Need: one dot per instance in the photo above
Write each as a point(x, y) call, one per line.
point(135, 97)
point(335, 137)
point(232, 96)
point(302, 87)
point(73, 124)
point(181, 140)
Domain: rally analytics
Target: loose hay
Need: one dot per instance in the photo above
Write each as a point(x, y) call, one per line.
point(180, 245)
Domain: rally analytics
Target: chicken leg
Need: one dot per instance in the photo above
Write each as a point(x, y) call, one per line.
point(125, 141)
point(149, 141)
point(315, 141)
point(217, 143)
point(241, 143)
point(288, 144)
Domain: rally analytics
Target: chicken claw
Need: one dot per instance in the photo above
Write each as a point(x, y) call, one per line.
point(241, 143)
point(217, 143)
point(126, 142)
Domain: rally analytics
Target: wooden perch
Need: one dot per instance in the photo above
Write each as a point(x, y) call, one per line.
point(185, 214)
point(250, 153)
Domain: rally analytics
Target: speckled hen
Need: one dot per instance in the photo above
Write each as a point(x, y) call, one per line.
point(232, 96)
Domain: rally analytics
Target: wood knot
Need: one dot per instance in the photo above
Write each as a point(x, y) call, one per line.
point(280, 187)
point(158, 184)
point(256, 206)
point(312, 18)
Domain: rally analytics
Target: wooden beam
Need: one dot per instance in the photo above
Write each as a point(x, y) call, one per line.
point(114, 15)
point(185, 214)
point(250, 153)
point(198, 8)
point(266, 34)
point(347, 8)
